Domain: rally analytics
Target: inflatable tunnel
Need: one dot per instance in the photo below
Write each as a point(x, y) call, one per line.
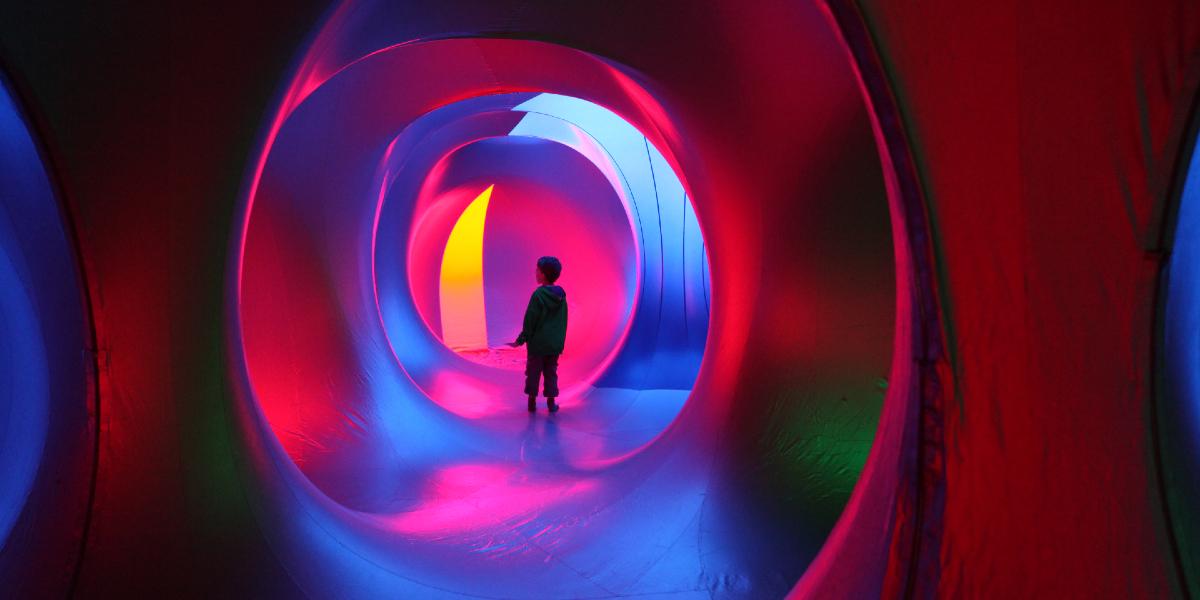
point(865, 299)
point(402, 196)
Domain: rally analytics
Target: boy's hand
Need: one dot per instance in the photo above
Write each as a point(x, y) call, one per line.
point(513, 344)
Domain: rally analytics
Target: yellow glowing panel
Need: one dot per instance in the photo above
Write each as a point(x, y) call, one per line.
point(464, 322)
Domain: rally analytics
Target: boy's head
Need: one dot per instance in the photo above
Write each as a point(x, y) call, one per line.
point(548, 269)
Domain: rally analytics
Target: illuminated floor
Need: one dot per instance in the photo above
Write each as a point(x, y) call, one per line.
point(539, 449)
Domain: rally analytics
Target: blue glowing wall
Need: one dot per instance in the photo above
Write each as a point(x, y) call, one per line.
point(674, 269)
point(46, 426)
point(1179, 406)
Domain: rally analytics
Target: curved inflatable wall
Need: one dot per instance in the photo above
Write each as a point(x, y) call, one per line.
point(867, 300)
point(47, 381)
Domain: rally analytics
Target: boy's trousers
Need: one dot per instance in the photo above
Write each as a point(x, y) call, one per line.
point(538, 366)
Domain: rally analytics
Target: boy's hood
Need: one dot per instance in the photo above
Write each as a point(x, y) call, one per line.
point(551, 296)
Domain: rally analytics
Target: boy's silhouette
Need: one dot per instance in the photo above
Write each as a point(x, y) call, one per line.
point(545, 332)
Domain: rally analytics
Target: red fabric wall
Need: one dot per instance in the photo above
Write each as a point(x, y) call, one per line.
point(1045, 139)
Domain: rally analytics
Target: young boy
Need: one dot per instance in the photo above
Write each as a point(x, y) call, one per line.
point(545, 330)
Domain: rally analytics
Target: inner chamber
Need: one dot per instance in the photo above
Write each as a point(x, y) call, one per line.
point(495, 182)
point(725, 385)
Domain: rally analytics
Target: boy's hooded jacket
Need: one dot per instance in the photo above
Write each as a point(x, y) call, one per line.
point(545, 326)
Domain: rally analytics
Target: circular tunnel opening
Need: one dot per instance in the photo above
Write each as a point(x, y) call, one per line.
point(422, 242)
point(508, 178)
point(724, 404)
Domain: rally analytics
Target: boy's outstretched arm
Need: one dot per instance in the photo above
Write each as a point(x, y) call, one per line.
point(533, 316)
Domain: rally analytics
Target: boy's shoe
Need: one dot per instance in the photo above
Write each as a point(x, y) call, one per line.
point(533, 404)
point(550, 403)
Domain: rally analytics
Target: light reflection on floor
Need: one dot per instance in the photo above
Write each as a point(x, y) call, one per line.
point(526, 490)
